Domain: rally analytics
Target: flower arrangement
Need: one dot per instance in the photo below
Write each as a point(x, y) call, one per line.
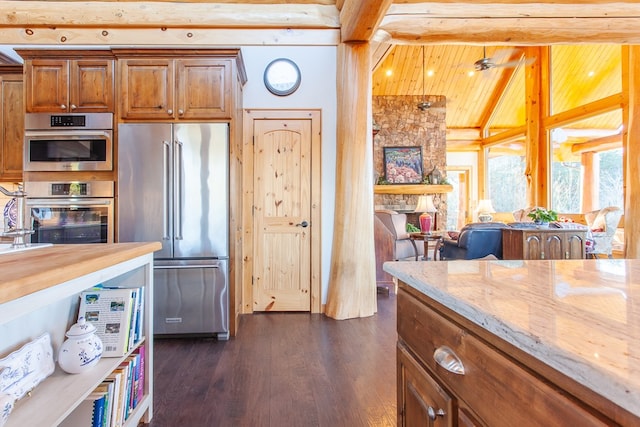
point(542, 215)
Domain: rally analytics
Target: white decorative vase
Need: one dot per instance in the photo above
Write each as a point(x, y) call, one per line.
point(82, 350)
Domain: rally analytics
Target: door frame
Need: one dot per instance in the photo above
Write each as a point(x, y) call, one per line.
point(249, 116)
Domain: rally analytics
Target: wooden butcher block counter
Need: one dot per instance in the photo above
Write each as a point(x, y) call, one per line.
point(40, 292)
point(518, 343)
point(25, 272)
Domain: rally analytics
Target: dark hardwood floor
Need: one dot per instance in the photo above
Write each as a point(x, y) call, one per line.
point(282, 370)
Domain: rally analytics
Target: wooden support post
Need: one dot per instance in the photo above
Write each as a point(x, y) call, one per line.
point(352, 281)
point(631, 142)
point(537, 162)
point(591, 186)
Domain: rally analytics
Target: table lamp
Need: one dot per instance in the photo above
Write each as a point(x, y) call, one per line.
point(426, 206)
point(485, 209)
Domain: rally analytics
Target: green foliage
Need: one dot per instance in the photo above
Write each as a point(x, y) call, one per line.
point(543, 215)
point(412, 228)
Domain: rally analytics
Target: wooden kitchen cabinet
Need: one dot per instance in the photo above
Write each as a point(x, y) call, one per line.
point(543, 243)
point(67, 81)
point(420, 397)
point(492, 388)
point(11, 123)
point(175, 89)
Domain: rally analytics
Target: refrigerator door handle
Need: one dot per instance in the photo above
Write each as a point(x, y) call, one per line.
point(165, 190)
point(178, 189)
point(184, 267)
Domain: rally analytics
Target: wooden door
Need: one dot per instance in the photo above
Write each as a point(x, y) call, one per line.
point(91, 86)
point(147, 88)
point(282, 215)
point(47, 85)
point(204, 88)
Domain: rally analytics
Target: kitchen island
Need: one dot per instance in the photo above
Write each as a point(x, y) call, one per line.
point(504, 343)
point(39, 294)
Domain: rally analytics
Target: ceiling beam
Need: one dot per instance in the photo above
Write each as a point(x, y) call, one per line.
point(360, 18)
point(511, 31)
point(499, 91)
point(94, 14)
point(592, 109)
point(610, 142)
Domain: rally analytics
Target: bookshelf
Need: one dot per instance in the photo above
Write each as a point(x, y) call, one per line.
point(53, 309)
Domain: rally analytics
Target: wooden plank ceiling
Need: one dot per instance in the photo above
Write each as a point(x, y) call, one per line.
point(580, 74)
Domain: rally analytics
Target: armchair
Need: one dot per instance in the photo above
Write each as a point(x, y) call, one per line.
point(603, 224)
point(475, 240)
point(392, 243)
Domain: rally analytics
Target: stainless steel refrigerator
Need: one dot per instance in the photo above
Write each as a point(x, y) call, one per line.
point(173, 187)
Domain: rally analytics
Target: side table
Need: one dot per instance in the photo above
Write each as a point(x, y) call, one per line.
point(427, 238)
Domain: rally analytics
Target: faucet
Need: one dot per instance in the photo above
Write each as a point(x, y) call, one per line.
point(19, 232)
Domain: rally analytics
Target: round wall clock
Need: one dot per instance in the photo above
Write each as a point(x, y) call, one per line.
point(282, 77)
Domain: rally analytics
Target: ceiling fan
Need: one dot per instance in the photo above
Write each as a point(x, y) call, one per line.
point(425, 105)
point(486, 63)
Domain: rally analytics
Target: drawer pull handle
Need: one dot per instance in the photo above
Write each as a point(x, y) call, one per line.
point(446, 358)
point(433, 414)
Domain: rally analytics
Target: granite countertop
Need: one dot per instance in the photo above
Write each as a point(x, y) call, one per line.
point(580, 317)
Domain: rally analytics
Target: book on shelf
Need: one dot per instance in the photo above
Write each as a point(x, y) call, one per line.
point(90, 412)
point(112, 312)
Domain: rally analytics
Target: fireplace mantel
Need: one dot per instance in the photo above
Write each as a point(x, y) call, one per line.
point(411, 189)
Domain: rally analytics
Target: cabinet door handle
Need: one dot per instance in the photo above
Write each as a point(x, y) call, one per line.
point(434, 413)
point(169, 111)
point(446, 358)
point(63, 107)
point(73, 106)
point(180, 112)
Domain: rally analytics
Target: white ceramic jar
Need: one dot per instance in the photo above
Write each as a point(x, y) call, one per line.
point(82, 350)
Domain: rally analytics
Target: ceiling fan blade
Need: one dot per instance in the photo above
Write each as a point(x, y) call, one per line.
point(515, 63)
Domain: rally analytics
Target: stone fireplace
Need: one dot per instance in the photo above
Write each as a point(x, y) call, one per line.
point(402, 124)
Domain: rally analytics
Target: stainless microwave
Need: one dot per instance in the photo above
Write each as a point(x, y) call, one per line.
point(77, 142)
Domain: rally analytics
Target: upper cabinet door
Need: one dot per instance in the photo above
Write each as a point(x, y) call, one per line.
point(147, 88)
point(11, 127)
point(47, 85)
point(69, 86)
point(91, 88)
point(204, 88)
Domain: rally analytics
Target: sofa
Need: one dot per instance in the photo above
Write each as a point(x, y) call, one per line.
point(474, 241)
point(392, 243)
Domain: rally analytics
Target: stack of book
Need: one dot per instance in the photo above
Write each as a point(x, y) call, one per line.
point(113, 401)
point(117, 314)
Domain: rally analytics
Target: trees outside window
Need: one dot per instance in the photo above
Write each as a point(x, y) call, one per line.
point(506, 181)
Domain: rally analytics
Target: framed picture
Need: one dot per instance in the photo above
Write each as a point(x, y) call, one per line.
point(403, 165)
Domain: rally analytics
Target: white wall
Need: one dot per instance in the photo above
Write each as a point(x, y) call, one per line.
point(317, 91)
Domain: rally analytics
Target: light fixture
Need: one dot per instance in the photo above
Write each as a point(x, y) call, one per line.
point(485, 209)
point(424, 105)
point(425, 206)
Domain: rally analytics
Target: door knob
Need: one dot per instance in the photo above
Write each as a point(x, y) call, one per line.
point(303, 224)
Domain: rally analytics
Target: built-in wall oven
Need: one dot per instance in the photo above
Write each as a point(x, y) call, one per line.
point(70, 212)
point(68, 142)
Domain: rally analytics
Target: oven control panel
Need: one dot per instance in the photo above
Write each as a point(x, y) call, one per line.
point(70, 189)
point(62, 121)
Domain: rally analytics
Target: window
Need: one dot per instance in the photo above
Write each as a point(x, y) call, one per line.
point(507, 183)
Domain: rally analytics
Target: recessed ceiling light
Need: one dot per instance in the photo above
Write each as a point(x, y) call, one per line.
point(389, 73)
point(430, 73)
point(591, 73)
point(471, 73)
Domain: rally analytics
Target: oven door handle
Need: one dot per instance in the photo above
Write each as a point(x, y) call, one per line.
point(70, 203)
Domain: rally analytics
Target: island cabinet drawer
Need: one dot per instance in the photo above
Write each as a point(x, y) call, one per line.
point(499, 390)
